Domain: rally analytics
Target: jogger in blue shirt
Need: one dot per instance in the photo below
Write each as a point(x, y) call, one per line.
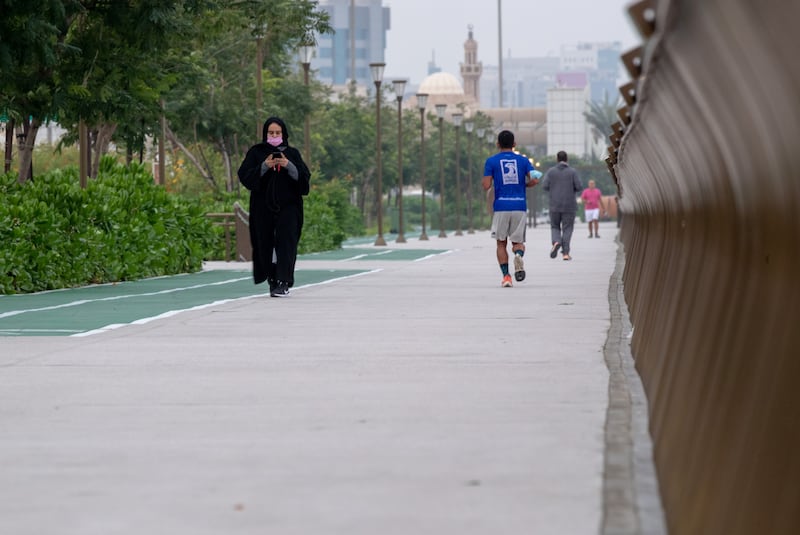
point(509, 173)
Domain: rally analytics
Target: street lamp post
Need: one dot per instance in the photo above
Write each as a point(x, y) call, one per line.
point(468, 126)
point(440, 110)
point(399, 89)
point(306, 53)
point(377, 77)
point(483, 134)
point(535, 207)
point(259, 85)
point(491, 137)
point(457, 119)
point(422, 101)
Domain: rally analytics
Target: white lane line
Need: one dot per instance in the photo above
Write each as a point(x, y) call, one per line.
point(98, 285)
point(171, 313)
point(449, 251)
point(21, 332)
point(366, 255)
point(118, 297)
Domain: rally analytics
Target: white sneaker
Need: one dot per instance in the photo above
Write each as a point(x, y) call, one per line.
point(519, 268)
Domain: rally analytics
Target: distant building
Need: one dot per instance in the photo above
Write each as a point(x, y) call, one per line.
point(573, 80)
point(444, 88)
point(341, 56)
point(567, 128)
point(601, 63)
point(525, 82)
point(471, 69)
point(433, 68)
point(545, 97)
point(528, 124)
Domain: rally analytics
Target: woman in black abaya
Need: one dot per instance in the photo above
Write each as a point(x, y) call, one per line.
point(277, 178)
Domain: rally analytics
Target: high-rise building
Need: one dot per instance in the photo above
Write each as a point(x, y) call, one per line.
point(601, 62)
point(343, 56)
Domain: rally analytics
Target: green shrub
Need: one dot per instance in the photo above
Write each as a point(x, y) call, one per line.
point(221, 203)
point(329, 218)
point(121, 227)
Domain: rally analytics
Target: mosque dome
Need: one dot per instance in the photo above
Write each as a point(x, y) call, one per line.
point(441, 83)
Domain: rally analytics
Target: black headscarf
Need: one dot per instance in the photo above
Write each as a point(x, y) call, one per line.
point(279, 122)
point(250, 170)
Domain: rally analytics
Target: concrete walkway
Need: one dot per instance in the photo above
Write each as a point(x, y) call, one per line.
point(421, 398)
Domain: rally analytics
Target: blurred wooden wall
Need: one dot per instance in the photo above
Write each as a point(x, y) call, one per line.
point(707, 162)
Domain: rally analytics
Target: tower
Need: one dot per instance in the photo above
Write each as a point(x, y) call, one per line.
point(359, 39)
point(471, 69)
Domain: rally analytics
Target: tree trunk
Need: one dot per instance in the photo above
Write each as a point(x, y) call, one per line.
point(226, 159)
point(191, 157)
point(240, 156)
point(9, 145)
point(364, 195)
point(102, 140)
point(26, 139)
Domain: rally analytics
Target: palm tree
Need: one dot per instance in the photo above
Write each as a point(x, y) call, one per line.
point(601, 115)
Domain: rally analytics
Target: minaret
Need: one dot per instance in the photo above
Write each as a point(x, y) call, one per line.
point(471, 69)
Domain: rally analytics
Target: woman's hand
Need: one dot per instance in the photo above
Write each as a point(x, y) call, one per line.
point(276, 161)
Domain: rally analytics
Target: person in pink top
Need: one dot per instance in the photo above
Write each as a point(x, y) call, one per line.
point(593, 204)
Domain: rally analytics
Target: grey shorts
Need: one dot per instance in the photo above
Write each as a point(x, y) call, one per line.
point(509, 225)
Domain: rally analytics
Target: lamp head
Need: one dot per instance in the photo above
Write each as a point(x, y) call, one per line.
point(399, 88)
point(377, 71)
point(306, 53)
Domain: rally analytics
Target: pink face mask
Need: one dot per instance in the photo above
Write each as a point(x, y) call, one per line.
point(275, 141)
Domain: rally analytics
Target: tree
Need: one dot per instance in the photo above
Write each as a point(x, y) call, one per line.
point(110, 64)
point(115, 72)
point(345, 142)
point(214, 103)
point(32, 33)
point(600, 116)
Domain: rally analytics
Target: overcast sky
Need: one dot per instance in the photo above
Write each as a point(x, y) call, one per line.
point(421, 29)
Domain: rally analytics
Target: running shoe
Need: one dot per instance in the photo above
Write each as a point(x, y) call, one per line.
point(506, 281)
point(519, 268)
point(280, 290)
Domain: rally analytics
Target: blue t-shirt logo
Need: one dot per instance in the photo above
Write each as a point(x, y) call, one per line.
point(510, 174)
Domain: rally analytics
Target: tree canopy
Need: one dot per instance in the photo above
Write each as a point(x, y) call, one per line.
point(112, 64)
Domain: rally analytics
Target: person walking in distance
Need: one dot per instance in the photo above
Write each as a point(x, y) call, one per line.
point(593, 205)
point(563, 184)
point(277, 178)
point(509, 173)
